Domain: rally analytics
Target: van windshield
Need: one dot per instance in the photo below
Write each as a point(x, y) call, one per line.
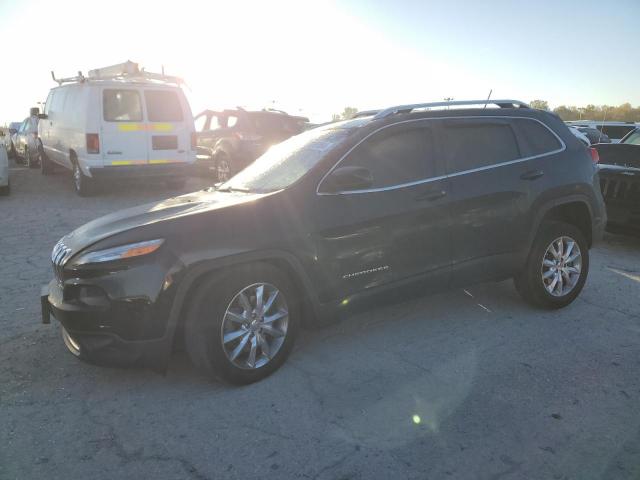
point(288, 161)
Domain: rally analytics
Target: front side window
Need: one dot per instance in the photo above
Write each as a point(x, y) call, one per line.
point(121, 105)
point(200, 121)
point(474, 144)
point(395, 156)
point(163, 106)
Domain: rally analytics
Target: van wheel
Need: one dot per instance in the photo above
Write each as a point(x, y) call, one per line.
point(223, 166)
point(29, 158)
point(5, 190)
point(243, 325)
point(557, 267)
point(46, 167)
point(82, 184)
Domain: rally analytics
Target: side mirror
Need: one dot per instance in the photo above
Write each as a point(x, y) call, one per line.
point(43, 116)
point(345, 179)
point(34, 111)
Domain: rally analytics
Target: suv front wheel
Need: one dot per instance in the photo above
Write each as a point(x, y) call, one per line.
point(242, 325)
point(557, 267)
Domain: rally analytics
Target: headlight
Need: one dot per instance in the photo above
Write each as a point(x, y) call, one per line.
point(119, 253)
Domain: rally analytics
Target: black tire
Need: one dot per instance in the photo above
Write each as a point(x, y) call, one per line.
point(46, 167)
point(204, 323)
point(83, 185)
point(224, 166)
point(5, 190)
point(529, 282)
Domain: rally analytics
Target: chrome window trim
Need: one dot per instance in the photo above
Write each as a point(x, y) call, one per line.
point(562, 148)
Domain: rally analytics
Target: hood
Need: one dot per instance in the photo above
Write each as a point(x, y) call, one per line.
point(123, 220)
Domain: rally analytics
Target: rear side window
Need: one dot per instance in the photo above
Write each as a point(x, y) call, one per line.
point(396, 157)
point(633, 139)
point(163, 106)
point(536, 139)
point(475, 144)
point(121, 106)
point(267, 123)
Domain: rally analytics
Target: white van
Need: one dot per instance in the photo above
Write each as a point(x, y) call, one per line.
point(118, 123)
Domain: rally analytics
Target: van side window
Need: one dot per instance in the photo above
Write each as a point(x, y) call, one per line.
point(47, 105)
point(396, 156)
point(473, 144)
point(57, 102)
point(163, 106)
point(121, 106)
point(535, 139)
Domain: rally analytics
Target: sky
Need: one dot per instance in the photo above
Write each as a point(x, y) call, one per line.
point(317, 57)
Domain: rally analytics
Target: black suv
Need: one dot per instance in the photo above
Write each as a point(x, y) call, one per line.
point(230, 140)
point(408, 199)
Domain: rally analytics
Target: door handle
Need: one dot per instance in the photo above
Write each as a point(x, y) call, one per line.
point(431, 195)
point(532, 175)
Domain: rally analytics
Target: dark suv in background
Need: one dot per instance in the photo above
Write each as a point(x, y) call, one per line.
point(230, 140)
point(409, 199)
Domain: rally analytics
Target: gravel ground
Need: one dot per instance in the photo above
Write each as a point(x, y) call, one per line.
point(463, 385)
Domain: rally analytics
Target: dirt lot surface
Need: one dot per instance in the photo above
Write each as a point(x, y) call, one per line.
point(461, 385)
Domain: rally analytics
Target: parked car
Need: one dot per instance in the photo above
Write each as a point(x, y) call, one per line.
point(25, 141)
point(7, 140)
point(620, 181)
point(4, 169)
point(410, 199)
point(118, 123)
point(594, 135)
point(580, 136)
point(614, 130)
point(230, 140)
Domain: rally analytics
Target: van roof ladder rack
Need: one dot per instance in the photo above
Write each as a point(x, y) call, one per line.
point(122, 71)
point(408, 108)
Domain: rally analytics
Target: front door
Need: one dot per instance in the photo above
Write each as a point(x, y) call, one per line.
point(394, 230)
point(123, 133)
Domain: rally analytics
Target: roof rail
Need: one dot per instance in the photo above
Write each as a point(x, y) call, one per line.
point(408, 108)
point(365, 113)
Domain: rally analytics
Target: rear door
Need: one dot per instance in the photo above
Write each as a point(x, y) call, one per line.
point(489, 199)
point(169, 128)
point(123, 132)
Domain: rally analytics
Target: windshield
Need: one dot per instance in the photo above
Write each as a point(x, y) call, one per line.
point(288, 161)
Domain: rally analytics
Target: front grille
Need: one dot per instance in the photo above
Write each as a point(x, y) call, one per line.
point(619, 188)
point(59, 256)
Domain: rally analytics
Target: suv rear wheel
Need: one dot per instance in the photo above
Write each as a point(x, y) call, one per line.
point(557, 267)
point(242, 326)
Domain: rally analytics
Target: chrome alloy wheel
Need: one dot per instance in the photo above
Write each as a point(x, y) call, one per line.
point(561, 266)
point(255, 325)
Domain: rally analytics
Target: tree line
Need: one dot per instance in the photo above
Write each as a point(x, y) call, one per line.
point(622, 113)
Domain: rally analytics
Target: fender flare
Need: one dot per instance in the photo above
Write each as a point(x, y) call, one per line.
point(543, 209)
point(191, 277)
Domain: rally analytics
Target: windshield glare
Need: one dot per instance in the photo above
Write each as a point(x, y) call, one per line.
point(288, 161)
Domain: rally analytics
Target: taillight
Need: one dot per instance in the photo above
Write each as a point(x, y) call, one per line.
point(93, 143)
point(194, 140)
point(595, 156)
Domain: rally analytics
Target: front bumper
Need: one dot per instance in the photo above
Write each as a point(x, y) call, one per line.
point(102, 332)
point(159, 172)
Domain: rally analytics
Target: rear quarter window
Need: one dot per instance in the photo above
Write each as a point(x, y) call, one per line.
point(163, 106)
point(121, 105)
point(535, 138)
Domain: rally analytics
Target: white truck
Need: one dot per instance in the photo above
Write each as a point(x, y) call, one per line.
point(117, 123)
